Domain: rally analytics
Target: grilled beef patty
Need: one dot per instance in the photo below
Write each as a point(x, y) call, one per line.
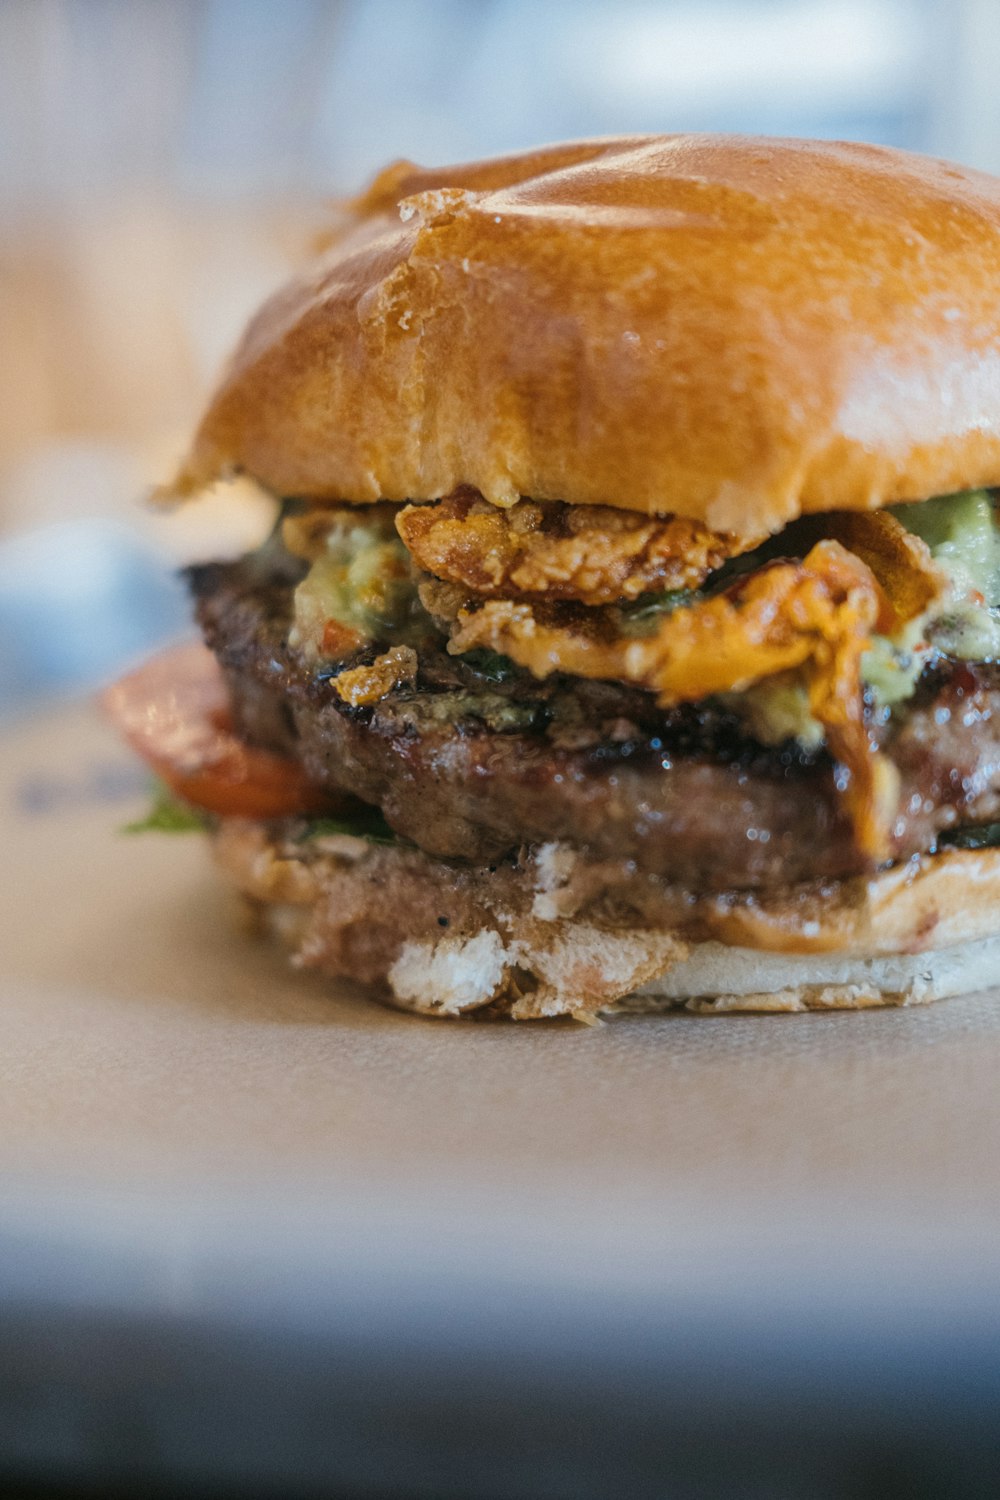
point(471, 763)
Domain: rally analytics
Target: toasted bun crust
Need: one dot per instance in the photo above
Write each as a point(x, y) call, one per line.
point(533, 941)
point(732, 329)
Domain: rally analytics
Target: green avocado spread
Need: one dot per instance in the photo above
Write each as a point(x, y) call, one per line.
point(963, 536)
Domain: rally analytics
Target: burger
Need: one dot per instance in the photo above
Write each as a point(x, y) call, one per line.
point(629, 634)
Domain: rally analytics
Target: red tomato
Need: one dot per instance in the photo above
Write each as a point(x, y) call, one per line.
point(174, 712)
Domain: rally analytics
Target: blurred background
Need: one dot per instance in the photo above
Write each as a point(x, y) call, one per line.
point(163, 163)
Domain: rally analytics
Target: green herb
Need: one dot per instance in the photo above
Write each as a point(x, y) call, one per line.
point(168, 814)
point(368, 824)
point(491, 665)
point(641, 617)
point(985, 836)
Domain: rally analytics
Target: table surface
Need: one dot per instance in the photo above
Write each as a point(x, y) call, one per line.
point(253, 1227)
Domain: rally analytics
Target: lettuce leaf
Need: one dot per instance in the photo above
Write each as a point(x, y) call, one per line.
point(168, 814)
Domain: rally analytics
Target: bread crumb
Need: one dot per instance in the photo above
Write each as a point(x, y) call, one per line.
point(393, 669)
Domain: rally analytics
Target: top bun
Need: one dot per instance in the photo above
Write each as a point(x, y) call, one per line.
point(733, 329)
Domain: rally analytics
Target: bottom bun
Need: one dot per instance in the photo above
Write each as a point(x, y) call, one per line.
point(554, 934)
point(714, 979)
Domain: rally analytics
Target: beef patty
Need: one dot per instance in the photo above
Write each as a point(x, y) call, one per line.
point(473, 761)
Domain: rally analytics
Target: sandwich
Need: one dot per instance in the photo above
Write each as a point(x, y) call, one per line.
point(629, 633)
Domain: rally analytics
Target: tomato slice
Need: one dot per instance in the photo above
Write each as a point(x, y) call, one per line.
point(174, 712)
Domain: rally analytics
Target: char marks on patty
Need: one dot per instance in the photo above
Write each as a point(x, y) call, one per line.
point(470, 762)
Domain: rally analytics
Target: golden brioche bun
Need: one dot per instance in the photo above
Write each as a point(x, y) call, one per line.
point(733, 329)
